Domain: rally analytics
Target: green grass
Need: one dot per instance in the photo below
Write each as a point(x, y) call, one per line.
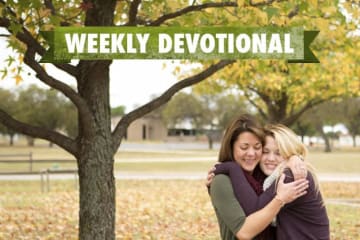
point(195, 166)
point(340, 162)
point(172, 161)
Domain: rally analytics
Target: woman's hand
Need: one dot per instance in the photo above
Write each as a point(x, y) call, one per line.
point(288, 192)
point(297, 167)
point(210, 176)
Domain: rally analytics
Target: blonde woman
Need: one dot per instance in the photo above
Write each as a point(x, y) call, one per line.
point(306, 217)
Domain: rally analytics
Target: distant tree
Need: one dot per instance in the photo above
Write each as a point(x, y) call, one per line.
point(70, 124)
point(303, 128)
point(118, 111)
point(327, 113)
point(184, 107)
point(7, 101)
point(351, 116)
point(209, 114)
point(40, 107)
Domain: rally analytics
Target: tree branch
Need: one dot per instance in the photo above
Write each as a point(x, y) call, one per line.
point(42, 75)
point(264, 3)
point(294, 12)
point(38, 132)
point(49, 4)
point(293, 117)
point(133, 11)
point(26, 37)
point(192, 8)
point(252, 102)
point(122, 125)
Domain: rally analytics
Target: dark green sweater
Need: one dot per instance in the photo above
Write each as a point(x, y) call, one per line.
point(228, 211)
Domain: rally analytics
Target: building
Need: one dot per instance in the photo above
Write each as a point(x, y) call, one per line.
point(145, 128)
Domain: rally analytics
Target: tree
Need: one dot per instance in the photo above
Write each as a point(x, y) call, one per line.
point(184, 106)
point(118, 111)
point(42, 108)
point(351, 114)
point(304, 128)
point(95, 144)
point(327, 113)
point(7, 101)
point(282, 92)
point(208, 114)
point(220, 109)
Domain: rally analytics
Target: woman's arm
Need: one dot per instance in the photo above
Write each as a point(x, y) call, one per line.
point(285, 193)
point(244, 193)
point(230, 213)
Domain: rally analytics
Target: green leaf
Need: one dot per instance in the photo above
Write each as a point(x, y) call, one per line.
point(15, 28)
point(10, 60)
point(5, 72)
point(271, 11)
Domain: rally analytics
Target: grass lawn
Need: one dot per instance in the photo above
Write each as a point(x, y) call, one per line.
point(153, 209)
point(171, 161)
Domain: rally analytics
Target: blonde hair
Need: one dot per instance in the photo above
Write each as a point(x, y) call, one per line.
point(289, 144)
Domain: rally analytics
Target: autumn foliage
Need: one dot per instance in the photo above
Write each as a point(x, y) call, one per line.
point(174, 209)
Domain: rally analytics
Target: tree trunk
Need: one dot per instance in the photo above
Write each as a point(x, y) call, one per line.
point(11, 141)
point(354, 140)
point(96, 156)
point(327, 142)
point(211, 142)
point(97, 191)
point(30, 141)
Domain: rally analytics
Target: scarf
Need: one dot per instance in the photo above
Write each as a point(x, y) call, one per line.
point(256, 179)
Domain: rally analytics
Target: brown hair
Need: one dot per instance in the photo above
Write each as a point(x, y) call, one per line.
point(243, 123)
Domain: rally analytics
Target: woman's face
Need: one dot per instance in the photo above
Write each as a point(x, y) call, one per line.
point(247, 151)
point(270, 156)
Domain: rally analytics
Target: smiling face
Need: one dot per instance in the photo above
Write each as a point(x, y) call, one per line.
point(247, 151)
point(270, 156)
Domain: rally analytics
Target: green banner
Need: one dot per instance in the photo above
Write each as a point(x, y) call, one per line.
point(203, 43)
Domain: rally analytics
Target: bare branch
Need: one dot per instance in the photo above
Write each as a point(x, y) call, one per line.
point(192, 8)
point(49, 4)
point(39, 132)
point(264, 3)
point(133, 12)
point(164, 98)
point(294, 12)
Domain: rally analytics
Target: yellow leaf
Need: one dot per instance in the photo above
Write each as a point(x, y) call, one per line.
point(313, 3)
point(240, 3)
point(18, 79)
point(21, 58)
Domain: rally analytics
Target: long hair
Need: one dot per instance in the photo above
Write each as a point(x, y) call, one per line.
point(289, 144)
point(243, 123)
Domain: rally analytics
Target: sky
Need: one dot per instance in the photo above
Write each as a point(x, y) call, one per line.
point(133, 82)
